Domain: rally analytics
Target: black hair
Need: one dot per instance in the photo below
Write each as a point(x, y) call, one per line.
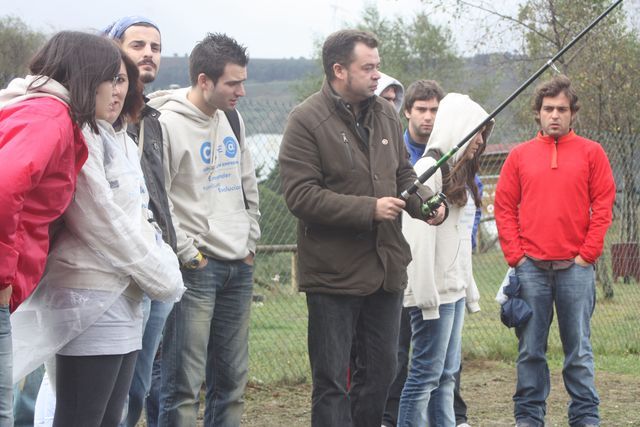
point(339, 47)
point(79, 62)
point(212, 54)
point(422, 90)
point(134, 100)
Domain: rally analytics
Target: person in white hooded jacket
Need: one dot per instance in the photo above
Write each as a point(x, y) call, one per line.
point(213, 195)
point(440, 275)
point(391, 90)
point(87, 308)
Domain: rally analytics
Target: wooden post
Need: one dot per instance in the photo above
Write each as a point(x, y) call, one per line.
point(294, 271)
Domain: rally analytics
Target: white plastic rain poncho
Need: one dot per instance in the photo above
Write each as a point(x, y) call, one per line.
point(106, 247)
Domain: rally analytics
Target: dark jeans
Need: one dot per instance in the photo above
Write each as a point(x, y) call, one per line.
point(333, 320)
point(459, 405)
point(390, 418)
point(152, 403)
point(91, 390)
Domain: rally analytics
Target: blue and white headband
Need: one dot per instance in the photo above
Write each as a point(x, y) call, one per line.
point(117, 29)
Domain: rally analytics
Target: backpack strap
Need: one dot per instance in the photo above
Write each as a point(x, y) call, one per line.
point(436, 154)
point(234, 121)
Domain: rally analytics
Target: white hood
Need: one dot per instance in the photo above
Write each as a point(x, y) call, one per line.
point(457, 116)
point(441, 270)
point(386, 81)
point(19, 90)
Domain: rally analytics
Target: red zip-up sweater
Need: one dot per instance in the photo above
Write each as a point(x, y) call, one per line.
point(41, 153)
point(554, 199)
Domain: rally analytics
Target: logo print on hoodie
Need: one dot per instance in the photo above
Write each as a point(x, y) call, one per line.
point(230, 147)
point(205, 152)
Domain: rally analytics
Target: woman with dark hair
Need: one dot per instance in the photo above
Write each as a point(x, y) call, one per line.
point(41, 153)
point(441, 280)
point(87, 308)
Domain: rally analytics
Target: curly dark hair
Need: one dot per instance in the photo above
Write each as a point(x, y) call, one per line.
point(552, 88)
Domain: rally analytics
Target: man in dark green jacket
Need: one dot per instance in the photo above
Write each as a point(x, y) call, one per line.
point(343, 163)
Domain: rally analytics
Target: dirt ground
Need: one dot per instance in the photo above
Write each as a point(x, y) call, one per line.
point(487, 387)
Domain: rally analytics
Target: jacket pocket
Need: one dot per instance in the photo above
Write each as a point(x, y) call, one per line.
point(347, 149)
point(330, 251)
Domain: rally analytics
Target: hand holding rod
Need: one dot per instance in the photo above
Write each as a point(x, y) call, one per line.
point(429, 172)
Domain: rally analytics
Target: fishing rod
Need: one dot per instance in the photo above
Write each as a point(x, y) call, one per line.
point(429, 172)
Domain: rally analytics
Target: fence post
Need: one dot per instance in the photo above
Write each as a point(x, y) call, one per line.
point(294, 271)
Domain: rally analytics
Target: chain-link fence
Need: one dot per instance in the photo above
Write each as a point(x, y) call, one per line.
point(278, 349)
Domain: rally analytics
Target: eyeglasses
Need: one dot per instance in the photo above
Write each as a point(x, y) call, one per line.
point(120, 78)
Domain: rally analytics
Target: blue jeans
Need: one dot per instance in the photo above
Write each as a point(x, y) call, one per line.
point(153, 397)
point(6, 369)
point(206, 337)
point(332, 321)
point(573, 291)
point(428, 391)
point(155, 315)
point(25, 393)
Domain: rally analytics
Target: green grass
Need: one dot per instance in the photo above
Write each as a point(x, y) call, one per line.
point(615, 322)
point(278, 342)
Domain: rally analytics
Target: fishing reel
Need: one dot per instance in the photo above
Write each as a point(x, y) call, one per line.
point(430, 207)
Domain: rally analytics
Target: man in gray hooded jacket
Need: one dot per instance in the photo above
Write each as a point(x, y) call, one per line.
point(140, 39)
point(213, 194)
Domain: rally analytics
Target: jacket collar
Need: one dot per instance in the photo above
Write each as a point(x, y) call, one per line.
point(551, 140)
point(148, 111)
point(553, 144)
point(414, 149)
point(343, 108)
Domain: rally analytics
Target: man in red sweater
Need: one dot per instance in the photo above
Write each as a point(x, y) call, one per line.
point(553, 206)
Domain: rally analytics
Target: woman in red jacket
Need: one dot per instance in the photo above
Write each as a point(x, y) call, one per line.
point(41, 153)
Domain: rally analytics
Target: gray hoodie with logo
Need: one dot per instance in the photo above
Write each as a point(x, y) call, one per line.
point(210, 179)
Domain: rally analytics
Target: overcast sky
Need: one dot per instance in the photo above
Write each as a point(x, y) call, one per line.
point(270, 29)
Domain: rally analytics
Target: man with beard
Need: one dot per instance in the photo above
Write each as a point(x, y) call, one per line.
point(140, 39)
point(553, 206)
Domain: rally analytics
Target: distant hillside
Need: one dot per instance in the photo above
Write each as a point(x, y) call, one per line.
point(175, 70)
point(487, 78)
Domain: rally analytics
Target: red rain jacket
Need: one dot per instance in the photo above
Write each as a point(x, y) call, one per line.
point(41, 153)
